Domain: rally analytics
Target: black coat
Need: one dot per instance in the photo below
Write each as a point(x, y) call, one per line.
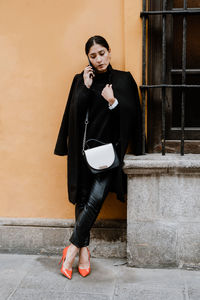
point(69, 141)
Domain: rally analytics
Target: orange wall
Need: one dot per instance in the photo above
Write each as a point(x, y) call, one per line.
point(42, 47)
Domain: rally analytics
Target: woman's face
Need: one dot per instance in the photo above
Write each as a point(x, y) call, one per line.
point(99, 57)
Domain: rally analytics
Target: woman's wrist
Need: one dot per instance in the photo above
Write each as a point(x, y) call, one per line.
point(111, 107)
point(111, 101)
point(87, 85)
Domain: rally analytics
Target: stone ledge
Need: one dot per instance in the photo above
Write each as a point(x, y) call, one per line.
point(150, 164)
point(50, 236)
point(61, 223)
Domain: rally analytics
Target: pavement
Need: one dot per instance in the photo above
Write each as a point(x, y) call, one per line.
point(38, 277)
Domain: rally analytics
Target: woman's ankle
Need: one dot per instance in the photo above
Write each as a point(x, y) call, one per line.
point(70, 257)
point(83, 256)
point(84, 248)
point(73, 247)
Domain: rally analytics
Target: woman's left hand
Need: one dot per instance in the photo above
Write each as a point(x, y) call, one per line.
point(108, 94)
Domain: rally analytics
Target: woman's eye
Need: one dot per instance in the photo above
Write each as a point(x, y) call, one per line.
point(102, 53)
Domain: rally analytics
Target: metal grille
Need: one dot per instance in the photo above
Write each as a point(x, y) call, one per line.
point(164, 85)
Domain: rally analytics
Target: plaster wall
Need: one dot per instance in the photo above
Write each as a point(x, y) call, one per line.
point(42, 47)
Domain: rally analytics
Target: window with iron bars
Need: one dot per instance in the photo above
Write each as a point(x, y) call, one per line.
point(171, 75)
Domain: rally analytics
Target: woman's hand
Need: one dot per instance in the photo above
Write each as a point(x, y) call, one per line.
point(108, 94)
point(88, 75)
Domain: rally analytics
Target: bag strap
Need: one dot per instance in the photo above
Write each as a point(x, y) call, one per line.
point(85, 132)
point(94, 140)
point(86, 118)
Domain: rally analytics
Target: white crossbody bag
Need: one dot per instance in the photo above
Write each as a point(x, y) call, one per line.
point(101, 158)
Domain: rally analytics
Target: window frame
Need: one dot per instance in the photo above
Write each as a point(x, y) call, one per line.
point(154, 95)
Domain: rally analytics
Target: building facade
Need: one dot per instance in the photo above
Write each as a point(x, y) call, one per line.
point(42, 47)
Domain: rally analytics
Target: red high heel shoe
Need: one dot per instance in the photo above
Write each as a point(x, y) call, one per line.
point(64, 271)
point(85, 272)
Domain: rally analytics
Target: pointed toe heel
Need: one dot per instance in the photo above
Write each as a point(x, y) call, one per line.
point(85, 272)
point(66, 272)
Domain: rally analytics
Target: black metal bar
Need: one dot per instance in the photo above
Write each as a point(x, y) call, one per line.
point(171, 12)
point(186, 129)
point(163, 76)
point(189, 71)
point(183, 79)
point(143, 74)
point(170, 86)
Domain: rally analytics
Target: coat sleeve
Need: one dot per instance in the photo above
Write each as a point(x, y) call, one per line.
point(61, 147)
point(136, 135)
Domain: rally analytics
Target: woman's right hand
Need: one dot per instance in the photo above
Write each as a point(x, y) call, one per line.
point(88, 75)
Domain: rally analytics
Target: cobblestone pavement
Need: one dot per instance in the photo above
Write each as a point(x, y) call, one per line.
point(38, 277)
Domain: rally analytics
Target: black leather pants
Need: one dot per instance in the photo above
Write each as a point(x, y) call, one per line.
point(92, 193)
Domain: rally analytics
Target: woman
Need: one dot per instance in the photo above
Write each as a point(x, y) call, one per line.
point(114, 117)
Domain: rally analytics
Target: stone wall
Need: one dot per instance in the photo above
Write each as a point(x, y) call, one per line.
point(163, 212)
point(50, 236)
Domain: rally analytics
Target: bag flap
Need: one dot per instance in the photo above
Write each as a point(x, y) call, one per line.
point(100, 157)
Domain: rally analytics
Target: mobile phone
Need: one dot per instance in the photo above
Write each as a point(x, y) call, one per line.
point(91, 75)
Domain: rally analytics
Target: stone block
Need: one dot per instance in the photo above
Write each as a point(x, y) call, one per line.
point(14, 238)
point(191, 278)
point(188, 241)
point(151, 278)
point(32, 240)
point(102, 275)
point(33, 294)
point(151, 244)
point(179, 196)
point(12, 272)
point(143, 198)
point(194, 294)
point(192, 283)
point(147, 293)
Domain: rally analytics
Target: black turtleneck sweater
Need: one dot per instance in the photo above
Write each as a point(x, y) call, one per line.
point(104, 123)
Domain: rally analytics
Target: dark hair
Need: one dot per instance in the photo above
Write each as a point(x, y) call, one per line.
point(97, 39)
